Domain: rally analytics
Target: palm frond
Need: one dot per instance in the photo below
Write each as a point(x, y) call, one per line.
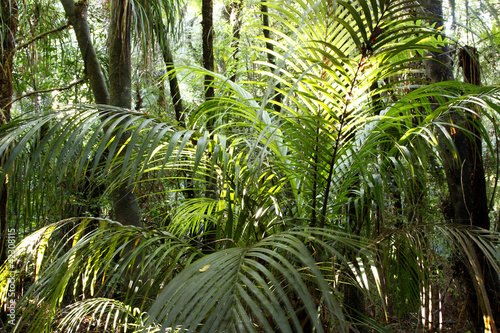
point(88, 260)
point(256, 288)
point(99, 313)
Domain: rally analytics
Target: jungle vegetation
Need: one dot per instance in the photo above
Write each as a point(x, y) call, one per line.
point(249, 166)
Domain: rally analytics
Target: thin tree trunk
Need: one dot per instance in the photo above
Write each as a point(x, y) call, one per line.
point(208, 51)
point(125, 205)
point(77, 15)
point(208, 63)
point(173, 83)
point(175, 90)
point(234, 8)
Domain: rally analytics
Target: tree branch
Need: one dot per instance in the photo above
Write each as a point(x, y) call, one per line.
point(40, 36)
point(45, 91)
point(77, 17)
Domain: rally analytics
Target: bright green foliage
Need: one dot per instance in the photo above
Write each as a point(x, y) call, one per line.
point(305, 197)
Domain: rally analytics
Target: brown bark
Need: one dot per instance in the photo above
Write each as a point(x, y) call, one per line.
point(438, 66)
point(175, 91)
point(464, 170)
point(476, 196)
point(472, 180)
point(8, 31)
point(209, 237)
point(173, 83)
point(208, 48)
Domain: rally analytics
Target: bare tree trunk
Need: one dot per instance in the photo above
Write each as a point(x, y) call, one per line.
point(173, 84)
point(120, 63)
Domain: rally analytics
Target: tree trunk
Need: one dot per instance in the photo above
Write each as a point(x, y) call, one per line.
point(168, 59)
point(234, 9)
point(472, 154)
point(464, 173)
point(77, 15)
point(476, 183)
point(8, 29)
point(120, 63)
point(208, 49)
point(8, 32)
point(125, 205)
point(210, 235)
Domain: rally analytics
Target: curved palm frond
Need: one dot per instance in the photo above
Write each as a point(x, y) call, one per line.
point(350, 130)
point(334, 72)
point(477, 247)
point(99, 313)
point(105, 260)
point(257, 288)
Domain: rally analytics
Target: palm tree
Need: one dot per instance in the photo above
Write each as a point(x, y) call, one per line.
point(300, 207)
